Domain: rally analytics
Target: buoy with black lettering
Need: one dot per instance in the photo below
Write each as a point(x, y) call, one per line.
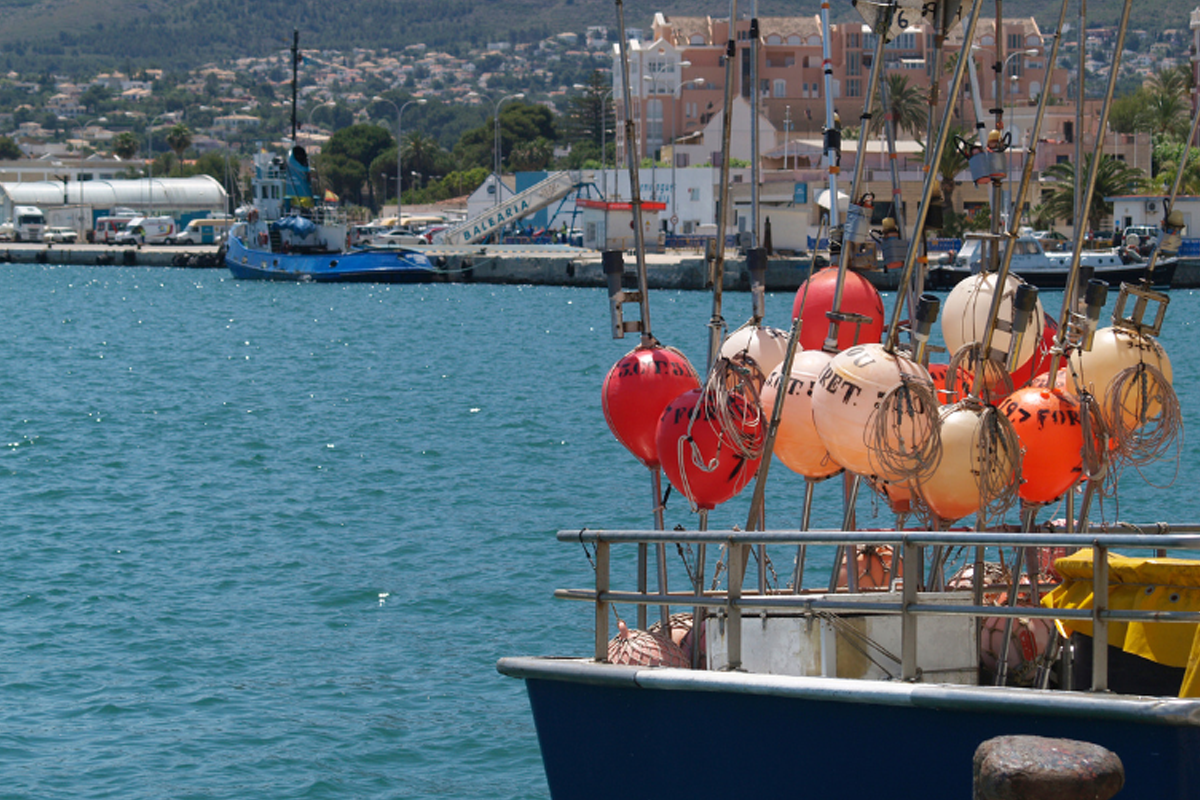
point(709, 448)
point(1047, 423)
point(854, 421)
point(637, 389)
point(796, 441)
point(815, 297)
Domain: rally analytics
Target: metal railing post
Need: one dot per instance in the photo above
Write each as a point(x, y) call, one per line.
point(602, 587)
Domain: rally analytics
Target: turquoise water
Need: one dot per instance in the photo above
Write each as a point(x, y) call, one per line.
point(268, 540)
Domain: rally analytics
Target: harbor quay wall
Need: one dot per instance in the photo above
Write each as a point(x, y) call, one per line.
point(559, 266)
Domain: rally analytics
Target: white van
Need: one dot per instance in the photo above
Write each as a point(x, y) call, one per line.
point(203, 231)
point(146, 230)
point(107, 229)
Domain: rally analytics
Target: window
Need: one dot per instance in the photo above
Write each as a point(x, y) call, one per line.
point(854, 63)
point(854, 88)
point(780, 88)
point(694, 193)
point(1015, 41)
point(853, 40)
point(654, 124)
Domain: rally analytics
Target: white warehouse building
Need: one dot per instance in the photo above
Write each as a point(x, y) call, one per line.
point(78, 204)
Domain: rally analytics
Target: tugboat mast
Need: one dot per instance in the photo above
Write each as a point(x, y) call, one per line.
point(295, 67)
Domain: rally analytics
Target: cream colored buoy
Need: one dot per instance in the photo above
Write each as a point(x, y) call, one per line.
point(765, 345)
point(972, 465)
point(796, 442)
point(846, 401)
point(1115, 350)
point(965, 314)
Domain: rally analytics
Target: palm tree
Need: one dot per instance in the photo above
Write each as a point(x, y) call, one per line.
point(1165, 113)
point(909, 106)
point(1176, 82)
point(1113, 177)
point(179, 139)
point(951, 164)
point(420, 153)
point(125, 145)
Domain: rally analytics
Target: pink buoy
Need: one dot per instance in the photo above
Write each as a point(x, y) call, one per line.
point(796, 442)
point(846, 399)
point(705, 462)
point(637, 389)
point(858, 297)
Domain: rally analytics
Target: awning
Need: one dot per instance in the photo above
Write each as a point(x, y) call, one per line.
point(843, 201)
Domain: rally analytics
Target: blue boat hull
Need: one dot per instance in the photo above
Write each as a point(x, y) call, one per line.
point(675, 734)
point(363, 266)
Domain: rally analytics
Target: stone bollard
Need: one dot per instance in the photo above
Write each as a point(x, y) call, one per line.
point(1037, 768)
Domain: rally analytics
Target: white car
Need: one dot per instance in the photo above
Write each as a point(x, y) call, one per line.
point(396, 236)
point(6, 232)
point(62, 235)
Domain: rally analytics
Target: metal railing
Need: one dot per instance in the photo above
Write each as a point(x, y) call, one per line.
point(735, 601)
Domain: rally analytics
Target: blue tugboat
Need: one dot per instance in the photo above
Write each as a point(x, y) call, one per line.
point(291, 235)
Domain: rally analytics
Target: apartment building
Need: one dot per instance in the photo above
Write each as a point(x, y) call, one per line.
point(678, 75)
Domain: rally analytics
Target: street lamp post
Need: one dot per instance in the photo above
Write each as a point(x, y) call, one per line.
point(420, 101)
point(496, 143)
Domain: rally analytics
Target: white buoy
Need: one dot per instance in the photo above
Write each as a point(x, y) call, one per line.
point(965, 314)
point(766, 345)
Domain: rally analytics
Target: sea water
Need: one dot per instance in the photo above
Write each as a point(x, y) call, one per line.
point(269, 540)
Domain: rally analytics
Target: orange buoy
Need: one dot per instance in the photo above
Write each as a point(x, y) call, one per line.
point(846, 399)
point(950, 391)
point(796, 442)
point(1115, 350)
point(874, 567)
point(704, 461)
point(1048, 424)
point(766, 346)
point(637, 389)
point(858, 297)
point(965, 314)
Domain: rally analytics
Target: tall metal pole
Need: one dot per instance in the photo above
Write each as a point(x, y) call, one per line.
point(635, 192)
point(754, 167)
point(496, 143)
point(1079, 98)
point(716, 322)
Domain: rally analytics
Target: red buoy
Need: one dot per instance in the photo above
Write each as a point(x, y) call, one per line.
point(1039, 362)
point(637, 389)
point(701, 459)
point(858, 297)
point(1051, 432)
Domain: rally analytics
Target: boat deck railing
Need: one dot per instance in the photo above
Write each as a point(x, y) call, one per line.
point(735, 600)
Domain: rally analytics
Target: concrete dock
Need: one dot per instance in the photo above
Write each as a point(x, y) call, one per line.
point(555, 265)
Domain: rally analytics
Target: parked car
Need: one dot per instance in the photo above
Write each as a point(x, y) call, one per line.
point(1142, 238)
point(62, 235)
point(7, 231)
point(396, 236)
